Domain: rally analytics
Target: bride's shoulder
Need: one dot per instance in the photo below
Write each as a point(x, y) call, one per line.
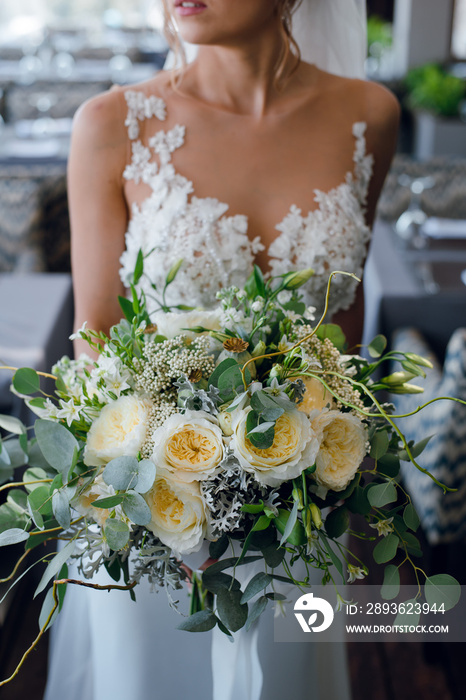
point(103, 118)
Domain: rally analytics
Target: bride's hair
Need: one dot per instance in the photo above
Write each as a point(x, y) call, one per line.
point(284, 9)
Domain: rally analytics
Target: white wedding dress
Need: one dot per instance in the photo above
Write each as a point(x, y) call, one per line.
point(105, 647)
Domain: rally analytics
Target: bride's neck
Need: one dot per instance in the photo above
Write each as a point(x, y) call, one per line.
point(239, 79)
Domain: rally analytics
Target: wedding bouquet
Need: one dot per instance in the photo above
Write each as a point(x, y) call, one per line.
point(246, 427)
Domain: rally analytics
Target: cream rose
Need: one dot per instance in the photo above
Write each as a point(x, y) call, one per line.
point(172, 324)
point(178, 514)
point(316, 396)
point(119, 431)
point(342, 448)
point(189, 446)
point(294, 448)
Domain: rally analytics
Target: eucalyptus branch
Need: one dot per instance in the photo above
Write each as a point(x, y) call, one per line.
point(17, 565)
point(42, 374)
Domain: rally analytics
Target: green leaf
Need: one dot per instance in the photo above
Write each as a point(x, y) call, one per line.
point(108, 502)
point(259, 280)
point(255, 585)
point(358, 501)
point(231, 611)
point(61, 508)
point(55, 565)
point(116, 533)
point(48, 604)
point(410, 517)
point(261, 523)
point(138, 267)
point(381, 494)
point(34, 474)
point(335, 559)
point(391, 582)
point(219, 547)
point(13, 536)
point(16, 454)
point(334, 333)
point(389, 465)
point(289, 526)
point(127, 307)
point(230, 383)
point(202, 621)
point(114, 569)
point(57, 444)
point(379, 444)
point(220, 580)
point(273, 554)
point(337, 522)
point(386, 548)
point(40, 502)
point(127, 473)
point(442, 589)
point(416, 450)
point(26, 381)
point(18, 499)
point(228, 563)
point(413, 544)
point(136, 508)
point(377, 346)
point(257, 609)
point(220, 369)
point(408, 618)
point(12, 424)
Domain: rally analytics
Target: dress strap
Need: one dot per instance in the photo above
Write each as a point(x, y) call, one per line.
point(140, 107)
point(363, 163)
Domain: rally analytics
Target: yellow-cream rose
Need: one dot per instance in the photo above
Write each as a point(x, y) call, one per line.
point(178, 514)
point(342, 448)
point(316, 396)
point(189, 446)
point(294, 448)
point(119, 430)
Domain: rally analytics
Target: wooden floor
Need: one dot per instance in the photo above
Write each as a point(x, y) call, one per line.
point(395, 671)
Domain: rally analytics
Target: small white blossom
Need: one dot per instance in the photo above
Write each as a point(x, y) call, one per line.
point(310, 313)
point(257, 305)
point(355, 572)
point(284, 296)
point(79, 332)
point(68, 411)
point(383, 527)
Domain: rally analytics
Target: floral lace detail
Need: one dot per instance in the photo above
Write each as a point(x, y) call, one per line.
point(215, 248)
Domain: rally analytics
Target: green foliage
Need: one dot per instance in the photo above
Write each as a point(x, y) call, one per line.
point(432, 88)
point(442, 589)
point(379, 32)
point(58, 445)
point(391, 582)
point(386, 548)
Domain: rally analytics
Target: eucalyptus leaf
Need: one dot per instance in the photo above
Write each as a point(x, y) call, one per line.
point(391, 582)
point(231, 610)
point(218, 547)
point(337, 522)
point(57, 444)
point(291, 532)
point(379, 444)
point(13, 536)
point(381, 494)
point(220, 369)
point(108, 502)
point(48, 604)
point(220, 580)
point(228, 563)
point(202, 621)
point(377, 346)
point(386, 548)
point(257, 609)
point(61, 509)
point(136, 508)
point(257, 584)
point(442, 589)
point(55, 565)
point(410, 517)
point(12, 424)
point(34, 474)
point(358, 501)
point(116, 533)
point(415, 450)
point(273, 554)
point(26, 381)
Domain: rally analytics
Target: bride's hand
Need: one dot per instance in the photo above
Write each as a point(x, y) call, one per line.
point(189, 572)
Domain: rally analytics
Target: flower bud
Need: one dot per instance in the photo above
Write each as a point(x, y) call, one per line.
point(418, 360)
point(397, 378)
point(406, 389)
point(224, 421)
point(259, 349)
point(294, 280)
point(316, 515)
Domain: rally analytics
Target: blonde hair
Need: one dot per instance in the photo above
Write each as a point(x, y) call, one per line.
point(284, 9)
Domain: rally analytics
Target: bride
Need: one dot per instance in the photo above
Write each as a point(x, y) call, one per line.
point(248, 154)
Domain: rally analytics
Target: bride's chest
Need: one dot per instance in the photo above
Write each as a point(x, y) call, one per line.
point(258, 169)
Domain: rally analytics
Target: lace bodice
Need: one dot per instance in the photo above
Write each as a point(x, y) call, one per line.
point(172, 223)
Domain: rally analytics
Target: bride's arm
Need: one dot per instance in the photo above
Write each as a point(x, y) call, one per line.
point(381, 114)
point(98, 211)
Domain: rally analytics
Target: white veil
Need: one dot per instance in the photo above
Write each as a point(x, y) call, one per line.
point(332, 34)
point(329, 33)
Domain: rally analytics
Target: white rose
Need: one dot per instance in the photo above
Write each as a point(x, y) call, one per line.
point(172, 324)
point(178, 514)
point(342, 448)
point(189, 446)
point(225, 419)
point(294, 448)
point(119, 430)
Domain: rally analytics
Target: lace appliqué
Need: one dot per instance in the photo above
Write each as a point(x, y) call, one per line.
point(332, 237)
point(215, 248)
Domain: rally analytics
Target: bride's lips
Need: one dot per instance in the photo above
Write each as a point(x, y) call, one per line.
point(185, 8)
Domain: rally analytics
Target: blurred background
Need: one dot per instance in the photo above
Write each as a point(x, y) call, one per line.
point(54, 54)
